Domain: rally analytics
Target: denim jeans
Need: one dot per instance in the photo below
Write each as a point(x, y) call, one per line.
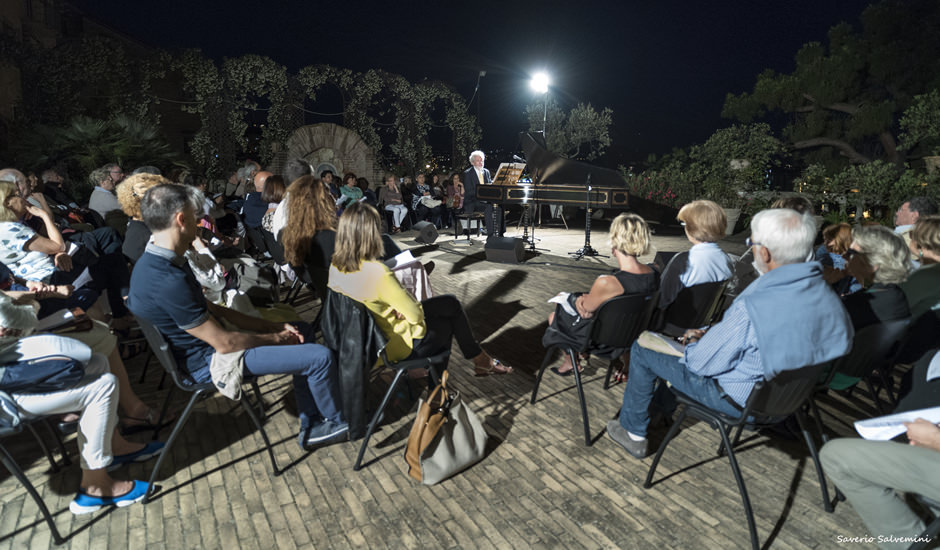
point(315, 384)
point(645, 367)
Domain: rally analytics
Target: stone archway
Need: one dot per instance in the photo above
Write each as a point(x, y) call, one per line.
point(332, 147)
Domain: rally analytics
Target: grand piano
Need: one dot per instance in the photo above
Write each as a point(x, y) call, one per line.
point(557, 180)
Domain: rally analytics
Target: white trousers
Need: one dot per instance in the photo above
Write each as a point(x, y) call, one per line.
point(96, 396)
point(399, 211)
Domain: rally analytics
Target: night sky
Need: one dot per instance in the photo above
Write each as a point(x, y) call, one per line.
point(664, 67)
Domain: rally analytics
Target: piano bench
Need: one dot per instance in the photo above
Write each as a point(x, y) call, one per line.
point(478, 217)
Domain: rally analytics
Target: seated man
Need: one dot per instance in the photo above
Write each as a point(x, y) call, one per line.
point(789, 318)
point(165, 292)
point(870, 472)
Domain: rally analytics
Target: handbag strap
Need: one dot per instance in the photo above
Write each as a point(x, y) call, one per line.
point(440, 397)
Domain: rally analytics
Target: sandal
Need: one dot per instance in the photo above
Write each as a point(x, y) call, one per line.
point(147, 423)
point(569, 372)
point(495, 366)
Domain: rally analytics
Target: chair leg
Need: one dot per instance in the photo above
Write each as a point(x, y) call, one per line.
point(45, 448)
point(17, 472)
point(264, 434)
point(584, 413)
point(801, 420)
point(258, 398)
point(57, 436)
point(673, 430)
point(169, 442)
point(610, 371)
point(740, 480)
point(163, 411)
point(874, 397)
point(538, 377)
point(375, 419)
point(143, 372)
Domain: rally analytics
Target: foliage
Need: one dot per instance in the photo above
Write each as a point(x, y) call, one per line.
point(845, 97)
point(864, 186)
point(920, 123)
point(672, 184)
point(581, 133)
point(86, 144)
point(733, 163)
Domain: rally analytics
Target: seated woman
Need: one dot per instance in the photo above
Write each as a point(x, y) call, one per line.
point(309, 238)
point(413, 329)
point(392, 199)
point(100, 446)
point(273, 194)
point(349, 191)
point(368, 193)
point(880, 260)
point(426, 206)
point(629, 238)
point(923, 285)
point(836, 240)
point(34, 257)
point(453, 203)
point(705, 224)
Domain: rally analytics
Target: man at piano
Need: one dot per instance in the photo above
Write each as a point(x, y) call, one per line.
point(472, 177)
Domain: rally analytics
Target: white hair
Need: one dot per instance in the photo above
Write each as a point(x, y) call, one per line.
point(477, 153)
point(787, 234)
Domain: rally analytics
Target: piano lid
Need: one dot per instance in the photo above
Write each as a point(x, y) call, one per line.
point(549, 168)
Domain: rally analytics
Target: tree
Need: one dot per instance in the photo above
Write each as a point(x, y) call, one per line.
point(920, 125)
point(846, 97)
point(581, 133)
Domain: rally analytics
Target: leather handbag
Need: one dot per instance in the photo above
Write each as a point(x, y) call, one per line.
point(446, 438)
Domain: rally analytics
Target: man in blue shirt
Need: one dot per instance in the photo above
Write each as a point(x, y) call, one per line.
point(789, 318)
point(165, 292)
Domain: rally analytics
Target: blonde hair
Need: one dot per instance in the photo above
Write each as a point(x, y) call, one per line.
point(885, 250)
point(630, 235)
point(357, 237)
point(704, 221)
point(926, 233)
point(7, 190)
point(131, 191)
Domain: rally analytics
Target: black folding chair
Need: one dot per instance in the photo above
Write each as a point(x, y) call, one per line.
point(694, 307)
point(932, 531)
point(12, 422)
point(615, 326)
point(770, 402)
point(161, 350)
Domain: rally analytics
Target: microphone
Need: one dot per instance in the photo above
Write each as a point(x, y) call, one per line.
point(517, 158)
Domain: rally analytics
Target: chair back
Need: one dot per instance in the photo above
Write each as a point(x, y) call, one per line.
point(161, 350)
point(782, 395)
point(619, 321)
point(694, 307)
point(10, 418)
point(872, 347)
point(274, 246)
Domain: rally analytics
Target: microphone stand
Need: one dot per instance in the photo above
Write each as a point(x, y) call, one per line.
point(587, 249)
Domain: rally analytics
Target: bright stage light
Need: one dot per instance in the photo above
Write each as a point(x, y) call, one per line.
point(539, 82)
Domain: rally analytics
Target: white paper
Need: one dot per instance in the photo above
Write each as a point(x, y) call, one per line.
point(82, 279)
point(888, 427)
point(562, 299)
point(404, 257)
point(661, 343)
point(933, 370)
point(73, 248)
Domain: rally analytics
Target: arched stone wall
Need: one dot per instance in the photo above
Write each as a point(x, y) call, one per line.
point(329, 146)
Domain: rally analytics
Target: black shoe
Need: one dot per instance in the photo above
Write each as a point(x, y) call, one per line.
point(429, 267)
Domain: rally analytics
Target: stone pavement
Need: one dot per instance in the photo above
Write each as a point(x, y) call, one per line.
point(538, 487)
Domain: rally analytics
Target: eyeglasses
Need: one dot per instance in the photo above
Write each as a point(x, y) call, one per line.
point(751, 243)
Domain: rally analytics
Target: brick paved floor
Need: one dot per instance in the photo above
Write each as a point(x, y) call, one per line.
point(538, 487)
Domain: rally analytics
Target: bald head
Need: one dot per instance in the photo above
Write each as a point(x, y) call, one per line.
point(260, 178)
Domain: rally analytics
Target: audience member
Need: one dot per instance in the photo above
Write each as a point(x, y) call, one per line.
point(253, 212)
point(326, 176)
point(787, 319)
point(392, 198)
point(350, 191)
point(922, 287)
point(272, 194)
point(105, 179)
point(454, 198)
point(413, 329)
point(309, 238)
point(208, 338)
point(368, 193)
point(908, 214)
point(879, 259)
point(95, 397)
point(629, 238)
point(836, 241)
point(705, 262)
point(424, 204)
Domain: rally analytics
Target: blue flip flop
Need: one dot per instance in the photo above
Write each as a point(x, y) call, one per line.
point(84, 503)
point(149, 451)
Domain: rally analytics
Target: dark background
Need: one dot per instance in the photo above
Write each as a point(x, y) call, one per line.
point(663, 67)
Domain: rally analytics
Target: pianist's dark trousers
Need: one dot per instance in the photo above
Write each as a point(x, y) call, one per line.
point(475, 205)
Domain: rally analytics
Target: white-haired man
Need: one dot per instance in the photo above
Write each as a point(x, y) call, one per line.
point(789, 318)
point(473, 177)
